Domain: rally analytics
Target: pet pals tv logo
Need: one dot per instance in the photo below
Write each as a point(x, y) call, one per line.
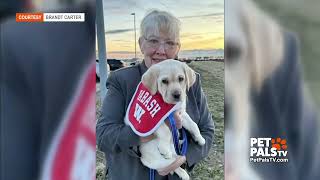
point(268, 150)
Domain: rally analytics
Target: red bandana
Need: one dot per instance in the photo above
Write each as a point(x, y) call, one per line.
point(146, 112)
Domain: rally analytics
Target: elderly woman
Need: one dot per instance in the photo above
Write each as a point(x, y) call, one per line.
point(159, 41)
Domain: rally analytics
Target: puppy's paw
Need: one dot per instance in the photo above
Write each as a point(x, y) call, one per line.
point(165, 152)
point(201, 141)
point(184, 176)
point(166, 155)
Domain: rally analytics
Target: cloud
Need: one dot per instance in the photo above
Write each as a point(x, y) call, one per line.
point(121, 7)
point(121, 41)
point(197, 35)
point(204, 15)
point(118, 31)
point(122, 52)
point(216, 5)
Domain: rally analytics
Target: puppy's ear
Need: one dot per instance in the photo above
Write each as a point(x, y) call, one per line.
point(150, 77)
point(190, 75)
point(266, 44)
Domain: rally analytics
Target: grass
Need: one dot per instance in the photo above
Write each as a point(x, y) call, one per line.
point(212, 167)
point(212, 78)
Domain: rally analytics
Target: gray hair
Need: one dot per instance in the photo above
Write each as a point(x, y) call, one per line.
point(160, 21)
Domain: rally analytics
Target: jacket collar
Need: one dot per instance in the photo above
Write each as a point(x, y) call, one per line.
point(143, 67)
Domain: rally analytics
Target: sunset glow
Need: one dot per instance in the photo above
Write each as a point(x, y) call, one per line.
point(202, 23)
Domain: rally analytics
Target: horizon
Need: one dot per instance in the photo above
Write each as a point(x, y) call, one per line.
point(182, 54)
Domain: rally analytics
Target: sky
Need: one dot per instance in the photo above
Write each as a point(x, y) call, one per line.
point(202, 23)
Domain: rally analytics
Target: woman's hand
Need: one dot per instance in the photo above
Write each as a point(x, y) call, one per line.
point(177, 119)
point(173, 166)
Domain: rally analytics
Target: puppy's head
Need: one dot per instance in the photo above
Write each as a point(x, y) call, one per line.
point(254, 50)
point(254, 42)
point(171, 79)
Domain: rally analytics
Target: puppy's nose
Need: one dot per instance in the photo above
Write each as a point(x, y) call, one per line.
point(176, 95)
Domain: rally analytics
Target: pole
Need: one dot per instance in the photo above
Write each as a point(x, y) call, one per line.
point(135, 35)
point(101, 49)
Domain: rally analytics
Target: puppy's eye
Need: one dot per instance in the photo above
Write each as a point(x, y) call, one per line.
point(165, 81)
point(180, 79)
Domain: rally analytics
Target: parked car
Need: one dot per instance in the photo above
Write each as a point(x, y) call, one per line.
point(115, 64)
point(112, 64)
point(97, 70)
point(133, 61)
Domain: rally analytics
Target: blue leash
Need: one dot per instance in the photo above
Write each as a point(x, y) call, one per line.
point(180, 150)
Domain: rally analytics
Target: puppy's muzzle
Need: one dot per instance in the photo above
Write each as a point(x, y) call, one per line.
point(176, 95)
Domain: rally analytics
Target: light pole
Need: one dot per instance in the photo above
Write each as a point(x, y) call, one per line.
point(135, 36)
point(101, 49)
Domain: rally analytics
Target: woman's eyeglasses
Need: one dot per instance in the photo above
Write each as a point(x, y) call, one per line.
point(155, 43)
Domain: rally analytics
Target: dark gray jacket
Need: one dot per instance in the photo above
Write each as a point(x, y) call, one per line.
point(282, 112)
point(119, 142)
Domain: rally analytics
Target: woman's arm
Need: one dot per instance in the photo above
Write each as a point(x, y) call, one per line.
point(196, 152)
point(113, 135)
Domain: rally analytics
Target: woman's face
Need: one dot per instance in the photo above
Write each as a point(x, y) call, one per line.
point(158, 48)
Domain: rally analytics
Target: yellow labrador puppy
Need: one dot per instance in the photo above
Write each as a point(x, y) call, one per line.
point(254, 49)
point(171, 79)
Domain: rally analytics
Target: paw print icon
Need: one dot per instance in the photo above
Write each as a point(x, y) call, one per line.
point(279, 144)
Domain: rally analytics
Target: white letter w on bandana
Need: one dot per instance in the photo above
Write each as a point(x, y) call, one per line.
point(138, 112)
